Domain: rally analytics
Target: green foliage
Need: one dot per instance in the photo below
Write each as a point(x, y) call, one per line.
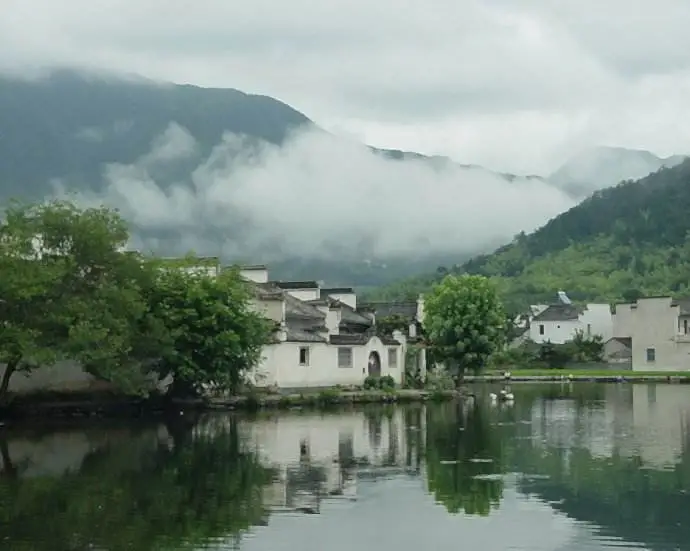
point(395, 322)
point(530, 355)
point(216, 337)
point(622, 243)
point(379, 383)
point(439, 380)
point(413, 377)
point(464, 322)
point(69, 293)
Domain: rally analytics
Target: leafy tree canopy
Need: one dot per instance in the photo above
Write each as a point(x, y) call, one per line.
point(464, 321)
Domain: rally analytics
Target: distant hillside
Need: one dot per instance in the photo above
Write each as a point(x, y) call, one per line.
point(601, 167)
point(623, 241)
point(66, 130)
point(69, 127)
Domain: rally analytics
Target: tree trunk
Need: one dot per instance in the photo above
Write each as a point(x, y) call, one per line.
point(8, 468)
point(5, 383)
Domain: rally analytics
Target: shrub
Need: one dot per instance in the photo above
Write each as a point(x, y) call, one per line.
point(379, 383)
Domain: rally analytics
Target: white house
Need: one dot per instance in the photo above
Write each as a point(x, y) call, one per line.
point(559, 323)
point(659, 333)
point(322, 339)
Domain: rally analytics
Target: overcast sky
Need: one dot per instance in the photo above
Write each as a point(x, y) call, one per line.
point(514, 85)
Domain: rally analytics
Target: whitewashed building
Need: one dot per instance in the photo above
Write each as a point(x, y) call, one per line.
point(559, 323)
point(322, 338)
point(659, 333)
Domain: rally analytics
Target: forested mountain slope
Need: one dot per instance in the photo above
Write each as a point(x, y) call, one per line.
point(623, 241)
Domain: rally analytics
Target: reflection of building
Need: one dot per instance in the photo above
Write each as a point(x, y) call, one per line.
point(651, 422)
point(601, 429)
point(321, 456)
point(660, 423)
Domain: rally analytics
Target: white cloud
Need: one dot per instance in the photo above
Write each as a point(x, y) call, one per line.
point(320, 195)
point(512, 85)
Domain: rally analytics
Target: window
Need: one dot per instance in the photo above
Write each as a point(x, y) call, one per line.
point(541, 329)
point(651, 355)
point(304, 355)
point(589, 328)
point(685, 326)
point(392, 358)
point(344, 357)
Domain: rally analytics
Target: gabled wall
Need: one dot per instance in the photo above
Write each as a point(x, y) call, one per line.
point(280, 365)
point(257, 274)
point(652, 324)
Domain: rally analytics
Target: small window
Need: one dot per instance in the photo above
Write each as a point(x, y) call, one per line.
point(651, 355)
point(589, 328)
point(392, 358)
point(344, 357)
point(685, 326)
point(541, 329)
point(304, 355)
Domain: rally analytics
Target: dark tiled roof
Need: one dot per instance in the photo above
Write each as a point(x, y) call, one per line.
point(296, 284)
point(301, 335)
point(253, 267)
point(350, 316)
point(361, 339)
point(385, 309)
point(559, 312)
point(266, 291)
point(337, 290)
point(296, 308)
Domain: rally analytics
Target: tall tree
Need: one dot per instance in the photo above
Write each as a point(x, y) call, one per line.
point(464, 321)
point(217, 338)
point(67, 291)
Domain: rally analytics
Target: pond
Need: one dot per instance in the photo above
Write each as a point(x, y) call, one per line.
point(566, 466)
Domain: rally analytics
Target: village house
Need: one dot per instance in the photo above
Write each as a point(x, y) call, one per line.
point(322, 337)
point(559, 323)
point(657, 331)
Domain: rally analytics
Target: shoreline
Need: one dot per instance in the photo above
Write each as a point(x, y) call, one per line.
point(629, 377)
point(85, 406)
point(64, 405)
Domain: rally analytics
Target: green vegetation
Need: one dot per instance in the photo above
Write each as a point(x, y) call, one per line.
point(621, 243)
point(588, 372)
point(70, 293)
point(581, 350)
point(464, 322)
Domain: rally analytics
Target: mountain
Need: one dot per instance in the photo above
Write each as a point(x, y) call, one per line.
point(629, 240)
point(600, 167)
point(75, 132)
point(69, 125)
point(71, 131)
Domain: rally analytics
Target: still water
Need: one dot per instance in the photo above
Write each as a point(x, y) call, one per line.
point(566, 467)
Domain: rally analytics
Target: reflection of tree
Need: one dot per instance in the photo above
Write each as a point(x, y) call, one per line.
point(148, 496)
point(454, 438)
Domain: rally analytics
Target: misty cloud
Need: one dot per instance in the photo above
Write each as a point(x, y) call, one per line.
point(317, 196)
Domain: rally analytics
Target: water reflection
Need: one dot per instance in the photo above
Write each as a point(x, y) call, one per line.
point(565, 466)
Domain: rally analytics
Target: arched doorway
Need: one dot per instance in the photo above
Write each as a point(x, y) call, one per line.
point(374, 364)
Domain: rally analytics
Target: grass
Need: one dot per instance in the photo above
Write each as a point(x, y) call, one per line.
point(579, 372)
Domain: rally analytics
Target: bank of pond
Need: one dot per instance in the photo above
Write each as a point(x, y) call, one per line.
point(110, 404)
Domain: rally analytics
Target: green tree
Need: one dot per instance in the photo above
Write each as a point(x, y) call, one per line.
point(464, 321)
point(68, 292)
point(216, 337)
